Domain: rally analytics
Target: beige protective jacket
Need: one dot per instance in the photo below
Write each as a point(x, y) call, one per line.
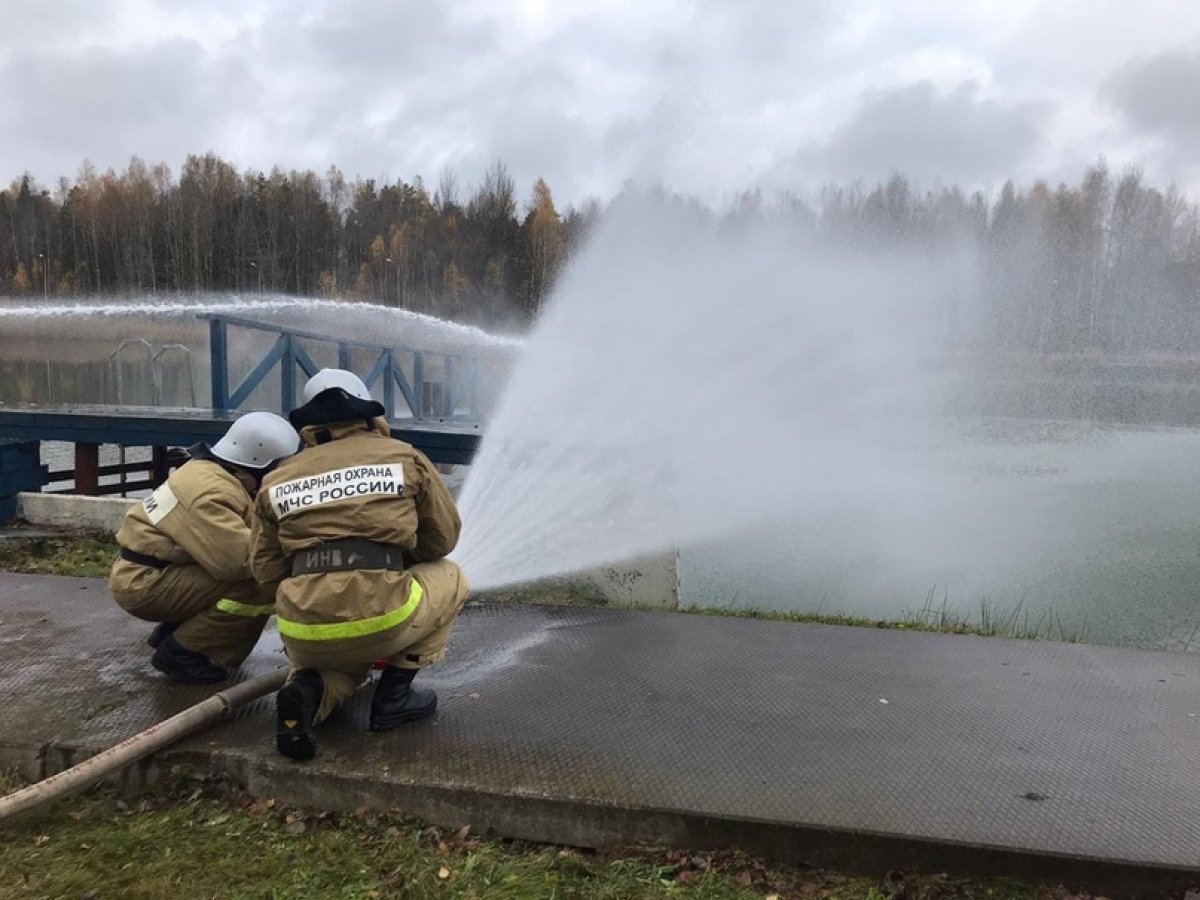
point(359, 483)
point(201, 515)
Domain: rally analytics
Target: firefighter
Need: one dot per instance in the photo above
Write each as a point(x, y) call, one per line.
point(355, 528)
point(185, 552)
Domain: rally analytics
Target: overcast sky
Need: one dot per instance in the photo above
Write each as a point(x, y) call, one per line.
point(708, 97)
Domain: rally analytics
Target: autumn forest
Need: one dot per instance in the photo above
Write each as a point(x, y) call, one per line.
point(1110, 264)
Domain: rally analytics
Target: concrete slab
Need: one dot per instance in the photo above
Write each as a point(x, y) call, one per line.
point(73, 510)
point(856, 748)
point(650, 582)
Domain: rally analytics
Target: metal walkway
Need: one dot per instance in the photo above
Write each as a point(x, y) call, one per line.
point(431, 397)
point(855, 748)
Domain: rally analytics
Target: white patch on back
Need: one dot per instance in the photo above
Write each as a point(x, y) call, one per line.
point(311, 491)
point(160, 503)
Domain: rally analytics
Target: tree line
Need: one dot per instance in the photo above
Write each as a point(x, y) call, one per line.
point(1111, 264)
point(483, 258)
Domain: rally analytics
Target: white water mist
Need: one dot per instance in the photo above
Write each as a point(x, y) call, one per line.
point(685, 384)
point(365, 321)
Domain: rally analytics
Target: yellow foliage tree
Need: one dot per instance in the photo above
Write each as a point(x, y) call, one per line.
point(363, 284)
point(20, 280)
point(454, 282)
point(327, 284)
point(545, 236)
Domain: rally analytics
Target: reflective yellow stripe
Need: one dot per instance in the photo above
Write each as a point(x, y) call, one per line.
point(245, 609)
point(335, 631)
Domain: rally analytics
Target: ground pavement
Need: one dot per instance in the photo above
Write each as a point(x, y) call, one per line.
point(855, 748)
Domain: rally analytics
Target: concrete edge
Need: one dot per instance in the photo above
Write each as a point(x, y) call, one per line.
point(73, 510)
point(580, 823)
point(25, 760)
point(649, 581)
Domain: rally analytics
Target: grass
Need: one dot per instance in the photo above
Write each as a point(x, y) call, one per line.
point(934, 616)
point(200, 838)
point(65, 552)
point(994, 620)
point(1050, 627)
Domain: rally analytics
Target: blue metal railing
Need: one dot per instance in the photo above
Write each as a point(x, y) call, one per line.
point(459, 384)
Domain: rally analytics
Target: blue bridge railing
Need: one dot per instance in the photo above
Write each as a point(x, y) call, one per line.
point(454, 396)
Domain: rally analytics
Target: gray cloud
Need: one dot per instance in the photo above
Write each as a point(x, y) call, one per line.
point(371, 39)
point(1160, 95)
point(705, 95)
point(439, 91)
point(952, 137)
point(48, 25)
point(108, 106)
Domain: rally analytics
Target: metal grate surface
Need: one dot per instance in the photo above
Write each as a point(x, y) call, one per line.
point(1082, 751)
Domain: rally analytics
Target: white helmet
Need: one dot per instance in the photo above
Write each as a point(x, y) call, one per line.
point(336, 378)
point(256, 440)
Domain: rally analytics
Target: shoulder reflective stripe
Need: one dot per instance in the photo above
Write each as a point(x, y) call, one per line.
point(245, 609)
point(335, 631)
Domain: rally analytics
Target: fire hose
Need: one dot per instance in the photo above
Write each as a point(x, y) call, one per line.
point(142, 744)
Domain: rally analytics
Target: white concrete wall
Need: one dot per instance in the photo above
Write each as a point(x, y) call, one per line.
point(649, 582)
point(73, 510)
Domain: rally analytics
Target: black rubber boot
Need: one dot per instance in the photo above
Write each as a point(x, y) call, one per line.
point(396, 701)
point(173, 659)
point(296, 707)
point(161, 631)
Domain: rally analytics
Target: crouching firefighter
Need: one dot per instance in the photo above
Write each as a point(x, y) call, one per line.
point(355, 528)
point(185, 553)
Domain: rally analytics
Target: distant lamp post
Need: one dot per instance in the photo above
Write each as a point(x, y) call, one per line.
point(255, 267)
point(45, 276)
point(391, 261)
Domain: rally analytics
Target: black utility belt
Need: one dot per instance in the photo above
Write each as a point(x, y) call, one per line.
point(143, 560)
point(347, 555)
